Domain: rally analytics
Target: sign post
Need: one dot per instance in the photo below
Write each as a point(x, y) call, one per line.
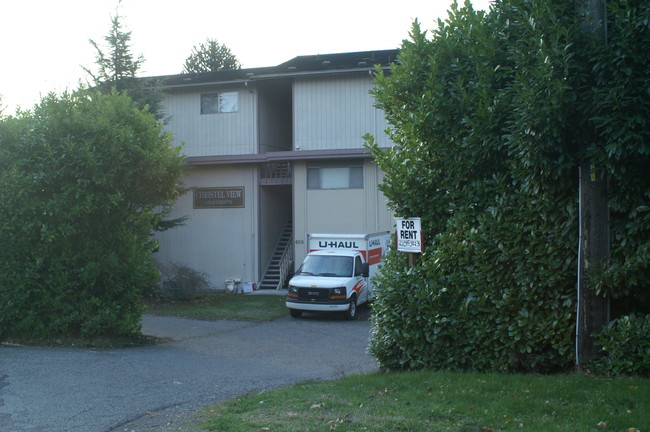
point(409, 237)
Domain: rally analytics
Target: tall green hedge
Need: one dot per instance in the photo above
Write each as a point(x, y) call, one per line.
point(625, 343)
point(83, 178)
point(487, 116)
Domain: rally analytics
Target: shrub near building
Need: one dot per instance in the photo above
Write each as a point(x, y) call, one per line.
point(81, 178)
point(488, 116)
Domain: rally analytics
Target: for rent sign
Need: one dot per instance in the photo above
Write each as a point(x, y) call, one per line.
point(409, 234)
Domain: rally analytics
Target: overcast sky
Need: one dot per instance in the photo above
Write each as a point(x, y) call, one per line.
point(44, 43)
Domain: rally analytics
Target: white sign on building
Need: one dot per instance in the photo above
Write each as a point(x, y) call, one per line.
point(409, 235)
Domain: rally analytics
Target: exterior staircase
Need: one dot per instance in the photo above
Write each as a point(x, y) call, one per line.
point(279, 267)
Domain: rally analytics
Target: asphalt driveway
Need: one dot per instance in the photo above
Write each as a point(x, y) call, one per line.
point(157, 388)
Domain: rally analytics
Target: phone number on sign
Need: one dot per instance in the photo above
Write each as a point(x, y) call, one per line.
point(408, 243)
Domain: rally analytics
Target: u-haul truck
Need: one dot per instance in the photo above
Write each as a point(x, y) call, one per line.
point(337, 273)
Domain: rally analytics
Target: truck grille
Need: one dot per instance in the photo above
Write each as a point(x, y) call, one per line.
point(311, 294)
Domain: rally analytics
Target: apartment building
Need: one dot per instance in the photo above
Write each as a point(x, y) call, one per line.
point(273, 154)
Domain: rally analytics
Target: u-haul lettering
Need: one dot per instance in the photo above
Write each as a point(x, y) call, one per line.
point(338, 244)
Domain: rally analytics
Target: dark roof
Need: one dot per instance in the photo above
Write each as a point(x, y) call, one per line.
point(301, 65)
point(321, 62)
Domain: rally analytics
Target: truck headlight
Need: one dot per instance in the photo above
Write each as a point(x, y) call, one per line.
point(338, 293)
point(293, 291)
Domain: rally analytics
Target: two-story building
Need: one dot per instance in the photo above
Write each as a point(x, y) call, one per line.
point(274, 153)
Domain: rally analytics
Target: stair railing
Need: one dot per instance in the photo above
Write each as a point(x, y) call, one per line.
point(286, 260)
point(276, 173)
point(285, 263)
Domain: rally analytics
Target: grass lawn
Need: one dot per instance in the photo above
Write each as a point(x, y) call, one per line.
point(442, 401)
point(245, 307)
point(210, 307)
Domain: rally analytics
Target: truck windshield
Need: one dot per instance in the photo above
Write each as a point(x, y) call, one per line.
point(319, 265)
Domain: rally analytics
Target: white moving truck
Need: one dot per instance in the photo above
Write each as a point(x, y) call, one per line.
point(337, 273)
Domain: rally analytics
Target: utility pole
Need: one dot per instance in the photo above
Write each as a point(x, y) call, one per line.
point(593, 252)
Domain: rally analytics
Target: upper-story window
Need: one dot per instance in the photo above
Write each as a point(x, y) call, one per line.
point(218, 103)
point(350, 177)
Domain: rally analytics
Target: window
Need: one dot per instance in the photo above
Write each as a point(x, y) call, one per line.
point(217, 103)
point(327, 265)
point(335, 178)
point(358, 267)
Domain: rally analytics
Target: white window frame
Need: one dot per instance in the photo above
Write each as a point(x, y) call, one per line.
point(335, 177)
point(219, 102)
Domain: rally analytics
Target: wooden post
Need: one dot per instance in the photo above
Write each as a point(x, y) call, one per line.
point(592, 309)
point(413, 258)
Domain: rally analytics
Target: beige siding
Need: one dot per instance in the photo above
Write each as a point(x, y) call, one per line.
point(335, 113)
point(380, 217)
point(212, 134)
point(217, 242)
point(300, 211)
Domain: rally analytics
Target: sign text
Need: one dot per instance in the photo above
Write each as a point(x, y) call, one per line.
point(227, 197)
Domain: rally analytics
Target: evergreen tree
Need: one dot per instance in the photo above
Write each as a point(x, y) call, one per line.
point(119, 64)
point(118, 69)
point(210, 56)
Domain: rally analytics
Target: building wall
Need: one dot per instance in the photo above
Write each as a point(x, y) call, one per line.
point(212, 134)
point(335, 113)
point(218, 242)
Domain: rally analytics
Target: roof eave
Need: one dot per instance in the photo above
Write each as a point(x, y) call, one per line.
point(273, 76)
point(358, 153)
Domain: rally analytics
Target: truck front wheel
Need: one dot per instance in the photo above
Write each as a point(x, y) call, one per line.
point(351, 313)
point(295, 313)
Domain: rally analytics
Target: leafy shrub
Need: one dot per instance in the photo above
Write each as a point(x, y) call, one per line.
point(181, 281)
point(82, 179)
point(489, 118)
point(497, 296)
point(625, 346)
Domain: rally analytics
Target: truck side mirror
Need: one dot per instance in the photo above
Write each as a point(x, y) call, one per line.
point(365, 269)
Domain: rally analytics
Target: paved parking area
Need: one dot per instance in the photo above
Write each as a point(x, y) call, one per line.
point(159, 387)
